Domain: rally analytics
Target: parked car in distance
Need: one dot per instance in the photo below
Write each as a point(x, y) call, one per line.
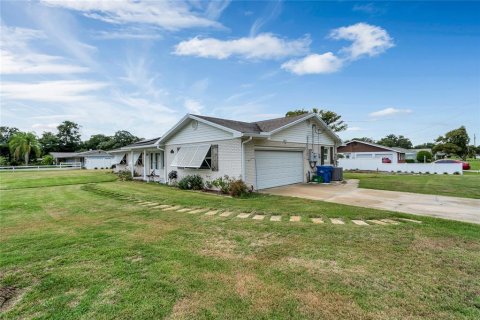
point(465, 165)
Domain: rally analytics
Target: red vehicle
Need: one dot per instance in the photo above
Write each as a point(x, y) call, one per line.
point(465, 165)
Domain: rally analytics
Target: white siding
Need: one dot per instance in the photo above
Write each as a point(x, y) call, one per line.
point(202, 133)
point(299, 133)
point(229, 159)
point(98, 162)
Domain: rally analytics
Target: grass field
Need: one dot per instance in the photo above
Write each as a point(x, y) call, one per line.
point(77, 251)
point(474, 164)
point(466, 186)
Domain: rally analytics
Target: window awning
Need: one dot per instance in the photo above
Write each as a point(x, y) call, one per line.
point(118, 158)
point(191, 156)
point(135, 158)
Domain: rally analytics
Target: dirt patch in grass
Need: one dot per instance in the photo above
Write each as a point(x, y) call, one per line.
point(76, 295)
point(152, 231)
point(9, 297)
point(222, 247)
point(188, 307)
point(328, 305)
point(315, 266)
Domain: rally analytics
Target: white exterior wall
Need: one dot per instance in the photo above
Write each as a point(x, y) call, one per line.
point(299, 133)
point(202, 133)
point(377, 165)
point(372, 155)
point(229, 159)
point(97, 162)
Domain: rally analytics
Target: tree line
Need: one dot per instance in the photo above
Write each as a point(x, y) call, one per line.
point(17, 147)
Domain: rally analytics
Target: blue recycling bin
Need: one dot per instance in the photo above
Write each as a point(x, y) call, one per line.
point(325, 172)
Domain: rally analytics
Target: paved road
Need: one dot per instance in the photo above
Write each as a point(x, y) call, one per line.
point(453, 208)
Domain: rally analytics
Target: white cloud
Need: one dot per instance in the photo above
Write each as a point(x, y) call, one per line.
point(263, 46)
point(170, 15)
point(128, 34)
point(193, 106)
point(314, 64)
point(389, 112)
point(355, 129)
point(50, 91)
point(44, 127)
point(368, 40)
point(17, 57)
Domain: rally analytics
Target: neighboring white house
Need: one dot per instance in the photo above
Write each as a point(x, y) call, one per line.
point(89, 159)
point(357, 149)
point(264, 154)
point(95, 159)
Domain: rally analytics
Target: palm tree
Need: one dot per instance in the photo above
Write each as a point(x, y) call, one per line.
point(22, 143)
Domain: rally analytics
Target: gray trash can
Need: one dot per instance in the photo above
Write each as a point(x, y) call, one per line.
point(337, 174)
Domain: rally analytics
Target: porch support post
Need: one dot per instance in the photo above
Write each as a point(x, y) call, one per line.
point(131, 161)
point(144, 164)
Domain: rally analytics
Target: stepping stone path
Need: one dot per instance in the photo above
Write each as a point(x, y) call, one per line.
point(226, 214)
point(337, 221)
point(360, 222)
point(197, 210)
point(410, 220)
point(390, 221)
point(378, 222)
point(258, 217)
point(172, 208)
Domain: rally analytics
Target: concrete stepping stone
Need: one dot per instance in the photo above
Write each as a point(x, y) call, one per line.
point(276, 218)
point(317, 220)
point(258, 217)
point(360, 223)
point(295, 218)
point(336, 221)
point(197, 210)
point(162, 206)
point(184, 210)
point(409, 220)
point(243, 215)
point(211, 213)
point(390, 221)
point(226, 214)
point(172, 208)
point(378, 222)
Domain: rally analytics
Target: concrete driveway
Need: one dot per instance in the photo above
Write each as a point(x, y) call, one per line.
point(453, 208)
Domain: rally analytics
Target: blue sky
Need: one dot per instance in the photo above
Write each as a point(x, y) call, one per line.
point(409, 68)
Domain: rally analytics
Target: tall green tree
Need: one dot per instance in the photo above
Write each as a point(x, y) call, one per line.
point(392, 140)
point(49, 142)
point(22, 144)
point(120, 139)
point(5, 134)
point(95, 141)
point(364, 139)
point(69, 136)
point(427, 145)
point(454, 142)
point(331, 118)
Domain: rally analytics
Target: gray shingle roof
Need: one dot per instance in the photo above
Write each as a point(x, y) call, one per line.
point(144, 142)
point(94, 153)
point(253, 127)
point(62, 155)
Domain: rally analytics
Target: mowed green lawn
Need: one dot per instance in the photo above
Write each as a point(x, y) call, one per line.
point(466, 186)
point(79, 252)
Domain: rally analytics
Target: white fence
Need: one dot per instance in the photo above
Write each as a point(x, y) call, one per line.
point(61, 166)
point(377, 165)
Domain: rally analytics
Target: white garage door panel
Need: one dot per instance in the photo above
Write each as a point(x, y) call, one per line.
point(97, 162)
point(278, 168)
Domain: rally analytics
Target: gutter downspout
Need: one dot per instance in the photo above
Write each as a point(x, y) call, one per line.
point(243, 157)
point(131, 161)
point(144, 164)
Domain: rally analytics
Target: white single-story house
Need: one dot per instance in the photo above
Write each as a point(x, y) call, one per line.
point(264, 154)
point(357, 149)
point(89, 159)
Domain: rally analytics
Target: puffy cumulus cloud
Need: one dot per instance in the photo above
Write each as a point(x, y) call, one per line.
point(314, 64)
point(262, 46)
point(367, 40)
point(193, 106)
point(170, 15)
point(389, 112)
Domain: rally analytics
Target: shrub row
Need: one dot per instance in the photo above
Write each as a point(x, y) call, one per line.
point(226, 184)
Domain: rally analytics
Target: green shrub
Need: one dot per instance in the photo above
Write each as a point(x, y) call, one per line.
point(3, 161)
point(409, 161)
point(424, 155)
point(193, 182)
point(124, 175)
point(222, 183)
point(47, 160)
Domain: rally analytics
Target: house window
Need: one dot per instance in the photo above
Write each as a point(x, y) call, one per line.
point(325, 154)
point(197, 157)
point(153, 161)
point(140, 160)
point(124, 160)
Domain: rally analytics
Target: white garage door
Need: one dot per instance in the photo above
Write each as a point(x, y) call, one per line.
point(97, 162)
point(278, 168)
